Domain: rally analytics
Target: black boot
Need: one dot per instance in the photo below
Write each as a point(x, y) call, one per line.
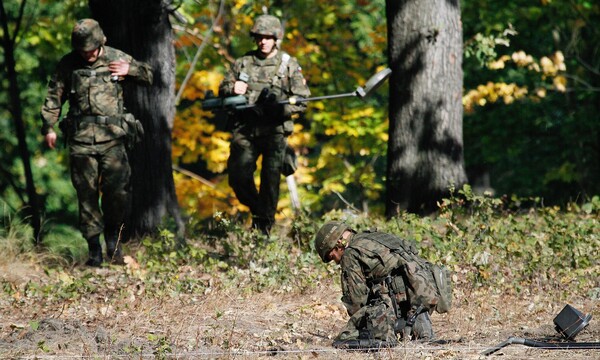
point(417, 325)
point(261, 224)
point(113, 247)
point(423, 328)
point(95, 251)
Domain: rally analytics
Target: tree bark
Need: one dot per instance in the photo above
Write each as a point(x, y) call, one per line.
point(142, 29)
point(425, 146)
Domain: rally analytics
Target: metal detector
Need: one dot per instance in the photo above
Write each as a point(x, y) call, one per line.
point(239, 102)
point(371, 85)
point(568, 323)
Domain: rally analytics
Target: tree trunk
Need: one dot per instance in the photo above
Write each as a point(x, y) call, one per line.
point(8, 44)
point(142, 29)
point(425, 146)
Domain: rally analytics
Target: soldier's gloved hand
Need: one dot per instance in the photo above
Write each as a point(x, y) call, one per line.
point(274, 110)
point(268, 102)
point(270, 99)
point(258, 110)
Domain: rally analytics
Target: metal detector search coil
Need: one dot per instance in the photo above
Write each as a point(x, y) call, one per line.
point(570, 321)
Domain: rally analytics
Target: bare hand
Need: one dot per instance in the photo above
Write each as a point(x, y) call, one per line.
point(51, 139)
point(118, 68)
point(240, 87)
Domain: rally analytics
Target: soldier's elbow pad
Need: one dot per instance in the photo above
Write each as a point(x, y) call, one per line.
point(287, 111)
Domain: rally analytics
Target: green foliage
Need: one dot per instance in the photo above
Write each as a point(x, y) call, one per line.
point(592, 206)
point(43, 38)
point(339, 46)
point(16, 236)
point(542, 149)
point(64, 243)
point(161, 345)
point(43, 347)
point(489, 245)
point(546, 144)
point(483, 47)
point(521, 146)
point(482, 239)
point(302, 230)
point(34, 325)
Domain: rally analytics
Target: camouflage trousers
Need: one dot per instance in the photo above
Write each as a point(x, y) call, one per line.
point(380, 321)
point(100, 174)
point(245, 151)
point(378, 318)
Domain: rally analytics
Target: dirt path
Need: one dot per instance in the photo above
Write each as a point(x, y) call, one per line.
point(227, 324)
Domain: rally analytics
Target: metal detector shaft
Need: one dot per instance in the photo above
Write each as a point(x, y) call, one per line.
point(297, 100)
point(371, 85)
point(543, 345)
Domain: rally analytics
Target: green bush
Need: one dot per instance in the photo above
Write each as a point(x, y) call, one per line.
point(487, 242)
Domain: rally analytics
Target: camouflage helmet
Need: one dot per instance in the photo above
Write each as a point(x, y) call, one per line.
point(267, 25)
point(327, 237)
point(87, 35)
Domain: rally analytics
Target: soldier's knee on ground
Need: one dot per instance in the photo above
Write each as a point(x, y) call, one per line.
point(423, 328)
point(365, 341)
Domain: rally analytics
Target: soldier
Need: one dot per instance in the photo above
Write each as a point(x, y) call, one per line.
point(264, 76)
point(387, 289)
point(96, 130)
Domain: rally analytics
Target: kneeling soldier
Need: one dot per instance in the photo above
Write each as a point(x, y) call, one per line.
point(388, 290)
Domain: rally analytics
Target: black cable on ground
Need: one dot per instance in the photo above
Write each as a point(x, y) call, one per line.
point(544, 345)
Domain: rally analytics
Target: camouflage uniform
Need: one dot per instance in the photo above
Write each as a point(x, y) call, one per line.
point(263, 130)
point(95, 133)
point(368, 259)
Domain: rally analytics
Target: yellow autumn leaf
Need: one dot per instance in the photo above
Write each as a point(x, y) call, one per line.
point(332, 187)
point(560, 83)
point(331, 131)
point(547, 66)
point(559, 60)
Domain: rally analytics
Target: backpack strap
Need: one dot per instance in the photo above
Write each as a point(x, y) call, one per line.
point(282, 71)
point(242, 75)
point(285, 59)
point(394, 243)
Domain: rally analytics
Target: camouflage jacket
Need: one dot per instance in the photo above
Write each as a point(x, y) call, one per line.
point(90, 92)
point(281, 74)
point(367, 262)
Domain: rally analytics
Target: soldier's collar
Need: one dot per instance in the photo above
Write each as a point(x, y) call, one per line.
point(266, 60)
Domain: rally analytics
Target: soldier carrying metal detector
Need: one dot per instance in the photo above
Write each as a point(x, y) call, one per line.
point(263, 92)
point(266, 73)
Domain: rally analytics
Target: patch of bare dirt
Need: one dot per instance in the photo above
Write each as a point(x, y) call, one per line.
point(226, 323)
point(20, 272)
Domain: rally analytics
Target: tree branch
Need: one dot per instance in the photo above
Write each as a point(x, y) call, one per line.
point(199, 51)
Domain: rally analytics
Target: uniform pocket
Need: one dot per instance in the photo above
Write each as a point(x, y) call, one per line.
point(104, 96)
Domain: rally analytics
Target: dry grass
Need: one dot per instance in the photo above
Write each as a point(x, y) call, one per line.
point(226, 323)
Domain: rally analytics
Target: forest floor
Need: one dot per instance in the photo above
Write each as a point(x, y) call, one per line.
point(226, 323)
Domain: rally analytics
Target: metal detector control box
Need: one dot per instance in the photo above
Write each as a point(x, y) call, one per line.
point(570, 321)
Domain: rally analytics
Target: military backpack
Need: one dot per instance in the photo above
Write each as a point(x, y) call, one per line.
point(440, 274)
